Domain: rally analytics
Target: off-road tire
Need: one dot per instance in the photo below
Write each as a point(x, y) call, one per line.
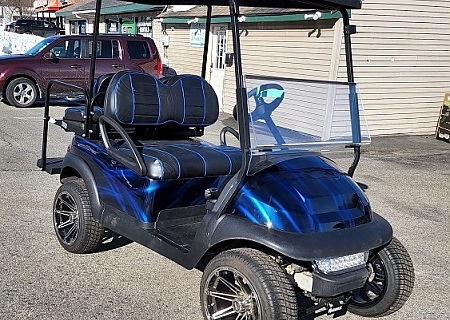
point(395, 263)
point(21, 92)
point(267, 281)
point(75, 227)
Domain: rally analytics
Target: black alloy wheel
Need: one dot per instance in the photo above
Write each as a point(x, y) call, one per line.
point(246, 284)
point(390, 282)
point(75, 227)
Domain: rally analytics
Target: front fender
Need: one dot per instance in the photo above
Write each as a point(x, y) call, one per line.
point(305, 247)
point(302, 195)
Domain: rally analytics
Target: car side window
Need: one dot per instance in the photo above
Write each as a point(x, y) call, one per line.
point(138, 49)
point(106, 49)
point(115, 49)
point(69, 49)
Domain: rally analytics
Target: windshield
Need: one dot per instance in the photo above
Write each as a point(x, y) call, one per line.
point(292, 114)
point(38, 47)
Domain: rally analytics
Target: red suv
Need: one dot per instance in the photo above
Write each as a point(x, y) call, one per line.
point(24, 78)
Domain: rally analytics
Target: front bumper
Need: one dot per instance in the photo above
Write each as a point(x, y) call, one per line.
point(324, 285)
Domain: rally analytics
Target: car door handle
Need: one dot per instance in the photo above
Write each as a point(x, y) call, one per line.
point(116, 65)
point(76, 66)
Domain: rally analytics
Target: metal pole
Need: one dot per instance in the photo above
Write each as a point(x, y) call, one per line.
point(88, 121)
point(233, 186)
point(206, 45)
point(241, 90)
point(353, 99)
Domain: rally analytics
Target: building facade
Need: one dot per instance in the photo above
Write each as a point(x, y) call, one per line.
point(401, 55)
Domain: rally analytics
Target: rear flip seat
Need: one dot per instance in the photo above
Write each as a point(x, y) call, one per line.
point(136, 99)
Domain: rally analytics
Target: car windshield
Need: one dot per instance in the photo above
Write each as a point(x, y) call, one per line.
point(38, 47)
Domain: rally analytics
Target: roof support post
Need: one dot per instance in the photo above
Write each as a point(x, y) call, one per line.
point(233, 186)
point(353, 98)
point(206, 45)
point(88, 121)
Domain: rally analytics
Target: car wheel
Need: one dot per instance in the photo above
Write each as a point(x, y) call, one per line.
point(246, 284)
point(390, 282)
point(75, 227)
point(21, 92)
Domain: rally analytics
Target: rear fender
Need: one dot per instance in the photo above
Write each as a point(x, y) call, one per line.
point(74, 166)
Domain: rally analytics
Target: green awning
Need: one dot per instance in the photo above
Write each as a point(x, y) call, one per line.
point(260, 18)
point(135, 7)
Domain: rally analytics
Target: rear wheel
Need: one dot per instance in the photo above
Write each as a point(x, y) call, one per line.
point(75, 227)
point(390, 282)
point(21, 92)
point(246, 284)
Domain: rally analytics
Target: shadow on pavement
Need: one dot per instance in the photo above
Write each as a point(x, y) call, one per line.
point(112, 241)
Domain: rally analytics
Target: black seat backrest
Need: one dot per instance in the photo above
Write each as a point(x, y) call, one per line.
point(102, 82)
point(140, 99)
point(99, 88)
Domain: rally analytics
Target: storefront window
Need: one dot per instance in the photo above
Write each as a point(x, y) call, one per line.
point(78, 27)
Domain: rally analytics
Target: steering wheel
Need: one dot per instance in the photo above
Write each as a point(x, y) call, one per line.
point(223, 140)
point(264, 109)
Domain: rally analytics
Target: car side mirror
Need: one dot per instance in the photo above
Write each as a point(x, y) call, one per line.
point(49, 55)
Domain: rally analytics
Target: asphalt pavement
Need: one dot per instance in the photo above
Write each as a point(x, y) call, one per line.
point(408, 179)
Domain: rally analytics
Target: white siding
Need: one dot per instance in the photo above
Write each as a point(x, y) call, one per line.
point(182, 57)
point(282, 49)
point(402, 63)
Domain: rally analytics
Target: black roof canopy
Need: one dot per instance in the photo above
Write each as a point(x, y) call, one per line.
point(300, 4)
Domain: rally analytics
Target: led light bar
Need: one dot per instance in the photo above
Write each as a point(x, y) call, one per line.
point(334, 265)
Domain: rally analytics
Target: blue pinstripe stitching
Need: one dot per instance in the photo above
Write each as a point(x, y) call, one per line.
point(159, 100)
point(204, 103)
point(165, 152)
point(115, 100)
point(184, 101)
point(203, 159)
point(133, 100)
point(222, 152)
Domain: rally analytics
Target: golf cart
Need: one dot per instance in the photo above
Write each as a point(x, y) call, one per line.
point(266, 221)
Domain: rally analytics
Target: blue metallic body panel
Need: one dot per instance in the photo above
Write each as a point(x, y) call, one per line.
point(303, 195)
point(139, 197)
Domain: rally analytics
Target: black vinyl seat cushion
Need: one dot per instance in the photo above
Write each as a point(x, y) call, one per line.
point(140, 99)
point(188, 159)
point(79, 114)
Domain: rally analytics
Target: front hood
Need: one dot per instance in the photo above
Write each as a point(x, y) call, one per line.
point(303, 195)
point(12, 57)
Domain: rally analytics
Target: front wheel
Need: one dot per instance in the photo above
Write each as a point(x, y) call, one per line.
point(75, 227)
point(390, 282)
point(246, 284)
point(21, 92)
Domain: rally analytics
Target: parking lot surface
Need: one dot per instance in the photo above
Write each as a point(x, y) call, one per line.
point(408, 180)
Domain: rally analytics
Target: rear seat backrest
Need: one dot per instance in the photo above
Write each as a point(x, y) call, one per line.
point(140, 99)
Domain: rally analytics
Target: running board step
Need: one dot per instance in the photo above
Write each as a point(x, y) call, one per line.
point(52, 165)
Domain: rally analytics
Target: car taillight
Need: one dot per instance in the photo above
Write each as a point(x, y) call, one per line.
point(159, 68)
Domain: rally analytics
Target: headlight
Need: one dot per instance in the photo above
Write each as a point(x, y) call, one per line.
point(345, 263)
